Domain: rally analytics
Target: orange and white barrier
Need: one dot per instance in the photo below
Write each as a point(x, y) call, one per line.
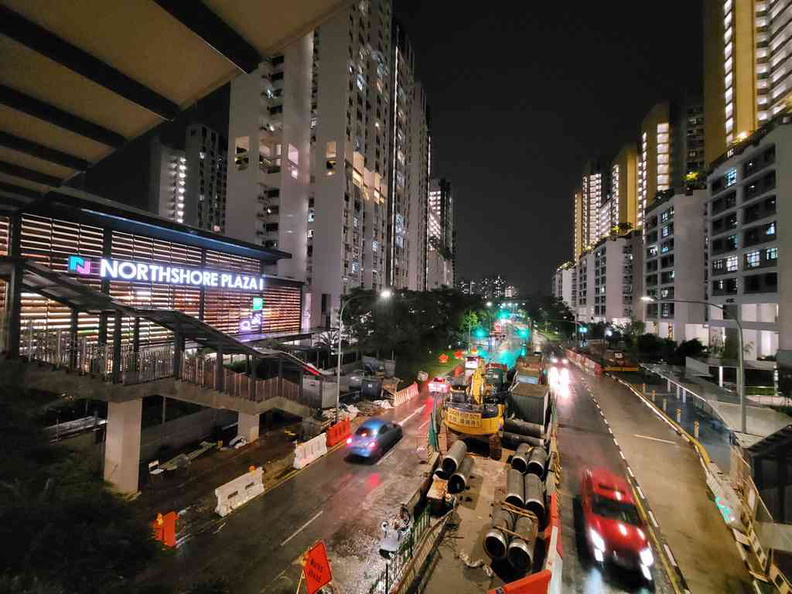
point(310, 450)
point(405, 395)
point(338, 432)
point(239, 491)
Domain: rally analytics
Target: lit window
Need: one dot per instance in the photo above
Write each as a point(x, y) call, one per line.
point(731, 177)
point(752, 259)
point(731, 263)
point(771, 254)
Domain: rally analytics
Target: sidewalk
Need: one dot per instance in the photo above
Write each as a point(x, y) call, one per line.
point(673, 481)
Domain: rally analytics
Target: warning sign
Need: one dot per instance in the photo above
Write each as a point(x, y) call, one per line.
point(316, 568)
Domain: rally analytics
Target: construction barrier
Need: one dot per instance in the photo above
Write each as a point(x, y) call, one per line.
point(165, 529)
point(311, 450)
point(405, 395)
point(239, 491)
point(584, 362)
point(338, 432)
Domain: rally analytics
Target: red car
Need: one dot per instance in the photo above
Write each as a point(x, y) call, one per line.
point(614, 530)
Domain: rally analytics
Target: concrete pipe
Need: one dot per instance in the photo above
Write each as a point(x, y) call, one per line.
point(496, 540)
point(523, 427)
point(520, 550)
point(516, 439)
point(537, 462)
point(535, 497)
point(453, 457)
point(440, 474)
point(515, 488)
point(520, 459)
point(459, 480)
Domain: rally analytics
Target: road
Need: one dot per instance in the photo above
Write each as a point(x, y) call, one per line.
point(584, 441)
point(257, 548)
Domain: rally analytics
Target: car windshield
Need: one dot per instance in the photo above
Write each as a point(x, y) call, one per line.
point(616, 510)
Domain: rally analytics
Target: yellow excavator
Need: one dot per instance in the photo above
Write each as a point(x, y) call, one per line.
point(475, 414)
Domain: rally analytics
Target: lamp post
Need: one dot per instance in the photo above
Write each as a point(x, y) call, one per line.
point(740, 360)
point(384, 294)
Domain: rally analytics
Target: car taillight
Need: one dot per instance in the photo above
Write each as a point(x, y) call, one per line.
point(372, 445)
point(349, 440)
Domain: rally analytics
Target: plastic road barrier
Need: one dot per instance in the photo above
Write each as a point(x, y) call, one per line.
point(405, 395)
point(338, 432)
point(239, 491)
point(311, 450)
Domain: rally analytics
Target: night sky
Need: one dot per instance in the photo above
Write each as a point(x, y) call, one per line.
point(520, 96)
point(522, 93)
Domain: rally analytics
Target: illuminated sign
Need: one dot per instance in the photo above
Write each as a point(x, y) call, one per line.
point(126, 270)
point(251, 323)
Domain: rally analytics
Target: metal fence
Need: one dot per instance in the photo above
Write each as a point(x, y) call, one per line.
point(399, 562)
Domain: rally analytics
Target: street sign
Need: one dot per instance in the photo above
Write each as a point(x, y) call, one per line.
point(316, 568)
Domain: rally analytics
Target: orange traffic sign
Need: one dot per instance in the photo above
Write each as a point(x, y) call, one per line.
point(316, 568)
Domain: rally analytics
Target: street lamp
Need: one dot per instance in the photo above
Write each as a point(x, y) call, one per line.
point(489, 303)
point(385, 294)
point(740, 360)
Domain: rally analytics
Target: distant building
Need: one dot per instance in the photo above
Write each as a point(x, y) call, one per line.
point(511, 291)
point(167, 180)
point(565, 284)
point(207, 155)
point(492, 287)
point(440, 235)
point(468, 287)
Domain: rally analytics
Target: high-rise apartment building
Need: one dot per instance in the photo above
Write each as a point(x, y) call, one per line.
point(440, 235)
point(207, 154)
point(624, 188)
point(167, 180)
point(330, 146)
point(579, 239)
point(593, 193)
point(565, 284)
point(511, 292)
point(747, 59)
point(405, 248)
point(269, 156)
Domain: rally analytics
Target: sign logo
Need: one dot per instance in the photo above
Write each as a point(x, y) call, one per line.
point(79, 265)
point(127, 270)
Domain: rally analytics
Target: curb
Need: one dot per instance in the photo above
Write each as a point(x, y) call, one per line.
point(667, 558)
point(703, 457)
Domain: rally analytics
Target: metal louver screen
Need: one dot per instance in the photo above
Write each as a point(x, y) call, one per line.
point(225, 309)
point(125, 246)
point(50, 242)
point(4, 224)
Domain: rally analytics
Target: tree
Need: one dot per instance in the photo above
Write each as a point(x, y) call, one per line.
point(69, 533)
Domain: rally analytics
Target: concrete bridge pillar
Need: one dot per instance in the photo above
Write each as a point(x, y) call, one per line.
point(248, 426)
point(122, 445)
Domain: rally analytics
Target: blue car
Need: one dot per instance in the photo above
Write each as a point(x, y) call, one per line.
point(373, 438)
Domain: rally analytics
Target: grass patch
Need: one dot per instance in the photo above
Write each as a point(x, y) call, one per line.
point(407, 368)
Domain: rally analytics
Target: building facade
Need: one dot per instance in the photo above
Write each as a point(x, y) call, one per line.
point(745, 222)
point(746, 59)
point(565, 284)
point(674, 266)
point(440, 235)
point(206, 152)
point(167, 180)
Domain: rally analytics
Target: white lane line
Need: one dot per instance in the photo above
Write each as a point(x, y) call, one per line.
point(303, 527)
point(411, 415)
point(655, 439)
point(630, 472)
point(654, 520)
point(385, 456)
point(638, 488)
point(424, 424)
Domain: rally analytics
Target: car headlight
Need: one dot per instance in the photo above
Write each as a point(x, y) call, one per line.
point(646, 557)
point(566, 360)
point(596, 539)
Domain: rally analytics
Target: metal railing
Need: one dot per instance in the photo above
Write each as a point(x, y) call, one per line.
point(55, 348)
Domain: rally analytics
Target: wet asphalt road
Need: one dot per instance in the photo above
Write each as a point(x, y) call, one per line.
point(584, 442)
point(257, 548)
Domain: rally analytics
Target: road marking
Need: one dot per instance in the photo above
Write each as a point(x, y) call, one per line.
point(303, 527)
point(385, 456)
point(424, 424)
point(655, 439)
point(411, 415)
point(652, 517)
point(630, 472)
point(670, 555)
point(622, 455)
